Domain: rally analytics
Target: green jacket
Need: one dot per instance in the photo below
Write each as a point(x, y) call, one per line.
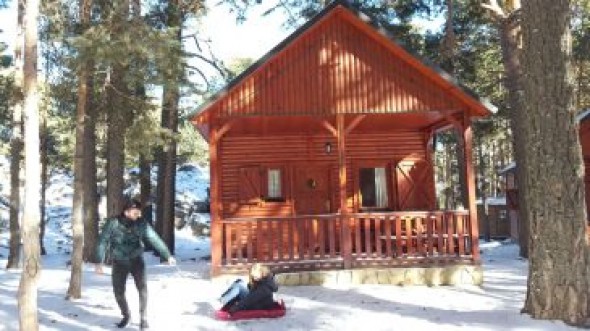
point(124, 239)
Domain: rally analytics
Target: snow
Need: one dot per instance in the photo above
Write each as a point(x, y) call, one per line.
point(183, 297)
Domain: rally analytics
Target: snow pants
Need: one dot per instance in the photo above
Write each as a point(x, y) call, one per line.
point(121, 270)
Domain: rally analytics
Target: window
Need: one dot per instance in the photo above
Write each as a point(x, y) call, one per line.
point(274, 187)
point(261, 183)
point(373, 187)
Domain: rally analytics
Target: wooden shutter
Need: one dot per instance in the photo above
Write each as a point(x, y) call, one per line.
point(415, 185)
point(250, 189)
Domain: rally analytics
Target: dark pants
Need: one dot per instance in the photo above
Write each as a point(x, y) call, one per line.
point(236, 292)
point(122, 269)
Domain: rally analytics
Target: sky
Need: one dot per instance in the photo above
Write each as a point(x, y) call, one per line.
point(8, 23)
point(252, 38)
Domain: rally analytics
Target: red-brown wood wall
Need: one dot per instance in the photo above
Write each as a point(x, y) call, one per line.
point(412, 191)
point(585, 142)
point(340, 65)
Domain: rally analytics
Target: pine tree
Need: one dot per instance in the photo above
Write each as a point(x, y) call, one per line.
point(558, 284)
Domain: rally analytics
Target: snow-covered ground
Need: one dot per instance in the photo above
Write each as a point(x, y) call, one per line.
point(182, 297)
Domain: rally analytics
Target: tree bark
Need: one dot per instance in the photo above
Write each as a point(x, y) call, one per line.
point(167, 178)
point(116, 127)
point(90, 180)
point(75, 286)
point(508, 24)
point(27, 291)
point(44, 179)
point(554, 175)
point(16, 149)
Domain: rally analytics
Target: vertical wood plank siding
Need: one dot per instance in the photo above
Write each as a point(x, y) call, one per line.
point(335, 68)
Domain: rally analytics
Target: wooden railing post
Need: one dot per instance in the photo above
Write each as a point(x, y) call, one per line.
point(346, 240)
point(215, 207)
point(469, 175)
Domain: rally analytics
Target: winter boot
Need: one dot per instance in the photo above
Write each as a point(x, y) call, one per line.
point(143, 324)
point(124, 321)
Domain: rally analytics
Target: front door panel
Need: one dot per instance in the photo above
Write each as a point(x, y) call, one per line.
point(312, 190)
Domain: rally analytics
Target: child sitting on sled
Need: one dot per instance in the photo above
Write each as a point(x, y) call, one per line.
point(256, 295)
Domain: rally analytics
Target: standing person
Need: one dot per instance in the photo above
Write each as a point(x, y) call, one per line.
point(124, 236)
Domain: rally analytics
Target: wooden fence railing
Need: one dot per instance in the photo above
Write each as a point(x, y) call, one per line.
point(315, 242)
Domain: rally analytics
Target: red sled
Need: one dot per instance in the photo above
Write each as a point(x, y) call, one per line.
point(278, 310)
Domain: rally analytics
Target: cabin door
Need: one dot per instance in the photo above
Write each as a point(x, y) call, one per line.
point(312, 190)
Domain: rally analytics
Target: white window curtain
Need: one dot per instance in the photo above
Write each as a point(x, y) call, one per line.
point(274, 183)
point(381, 188)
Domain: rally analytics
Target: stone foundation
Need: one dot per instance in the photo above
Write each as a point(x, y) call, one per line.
point(431, 276)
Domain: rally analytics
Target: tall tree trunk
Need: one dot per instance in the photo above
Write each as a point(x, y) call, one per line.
point(145, 181)
point(90, 180)
point(171, 95)
point(482, 191)
point(27, 291)
point(116, 125)
point(558, 284)
point(75, 287)
point(44, 178)
point(508, 25)
point(16, 148)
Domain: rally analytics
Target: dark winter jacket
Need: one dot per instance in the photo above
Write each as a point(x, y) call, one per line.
point(259, 295)
point(124, 239)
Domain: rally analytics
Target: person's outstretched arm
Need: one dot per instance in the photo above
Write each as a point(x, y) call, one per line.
point(152, 237)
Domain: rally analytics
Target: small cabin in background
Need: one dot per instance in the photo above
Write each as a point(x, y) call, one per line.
point(511, 180)
point(498, 223)
point(321, 155)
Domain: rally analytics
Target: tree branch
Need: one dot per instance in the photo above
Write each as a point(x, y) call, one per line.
point(495, 8)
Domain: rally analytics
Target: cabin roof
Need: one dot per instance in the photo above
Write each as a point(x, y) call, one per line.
point(584, 115)
point(475, 105)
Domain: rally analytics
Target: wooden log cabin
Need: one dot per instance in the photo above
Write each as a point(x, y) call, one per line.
point(320, 155)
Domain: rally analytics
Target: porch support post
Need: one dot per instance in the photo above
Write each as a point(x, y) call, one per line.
point(469, 175)
point(346, 244)
point(215, 207)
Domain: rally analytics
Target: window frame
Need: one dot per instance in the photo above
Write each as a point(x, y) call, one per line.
point(265, 168)
point(390, 184)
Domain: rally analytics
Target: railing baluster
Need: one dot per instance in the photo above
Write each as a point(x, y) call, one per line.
point(291, 239)
point(280, 238)
point(357, 237)
point(429, 233)
point(332, 226)
point(368, 245)
point(399, 250)
point(419, 235)
point(388, 225)
point(312, 232)
point(410, 236)
point(250, 240)
point(228, 243)
point(239, 241)
point(321, 239)
point(378, 251)
point(450, 234)
point(301, 238)
point(259, 242)
point(440, 234)
point(460, 235)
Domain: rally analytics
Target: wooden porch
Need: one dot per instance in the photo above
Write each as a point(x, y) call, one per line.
point(335, 241)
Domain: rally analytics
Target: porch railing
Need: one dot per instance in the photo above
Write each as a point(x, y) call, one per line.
point(315, 242)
